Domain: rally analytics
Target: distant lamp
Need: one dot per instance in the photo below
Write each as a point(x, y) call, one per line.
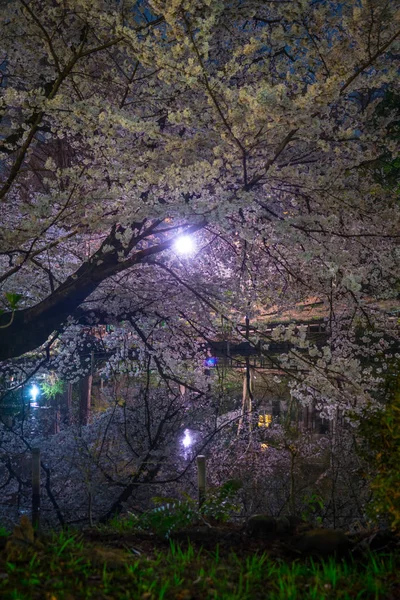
point(264, 420)
point(34, 392)
point(187, 440)
point(184, 245)
point(211, 361)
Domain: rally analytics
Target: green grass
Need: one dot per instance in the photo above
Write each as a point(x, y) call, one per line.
point(67, 568)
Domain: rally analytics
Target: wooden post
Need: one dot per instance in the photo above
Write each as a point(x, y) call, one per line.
point(36, 487)
point(201, 478)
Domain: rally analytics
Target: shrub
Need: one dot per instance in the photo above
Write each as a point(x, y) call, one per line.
point(381, 445)
point(171, 514)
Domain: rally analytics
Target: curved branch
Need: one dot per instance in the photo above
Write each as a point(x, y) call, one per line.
point(32, 326)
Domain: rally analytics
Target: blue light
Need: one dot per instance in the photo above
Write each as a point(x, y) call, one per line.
point(211, 361)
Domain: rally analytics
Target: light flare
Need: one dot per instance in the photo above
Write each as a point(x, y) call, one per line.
point(184, 245)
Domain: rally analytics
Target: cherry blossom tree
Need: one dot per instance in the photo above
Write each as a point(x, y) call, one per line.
point(254, 126)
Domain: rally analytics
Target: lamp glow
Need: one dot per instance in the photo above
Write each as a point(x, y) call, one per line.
point(211, 361)
point(34, 392)
point(187, 440)
point(184, 245)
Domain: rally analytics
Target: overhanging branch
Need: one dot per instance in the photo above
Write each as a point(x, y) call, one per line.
point(32, 326)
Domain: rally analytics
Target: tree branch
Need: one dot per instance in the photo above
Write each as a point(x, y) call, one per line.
point(32, 326)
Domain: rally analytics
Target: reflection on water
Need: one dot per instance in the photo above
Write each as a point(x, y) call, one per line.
point(37, 420)
point(34, 418)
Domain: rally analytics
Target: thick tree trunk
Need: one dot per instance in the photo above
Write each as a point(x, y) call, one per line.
point(66, 406)
point(85, 393)
point(55, 421)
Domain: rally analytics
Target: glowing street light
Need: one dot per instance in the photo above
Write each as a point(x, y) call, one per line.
point(184, 245)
